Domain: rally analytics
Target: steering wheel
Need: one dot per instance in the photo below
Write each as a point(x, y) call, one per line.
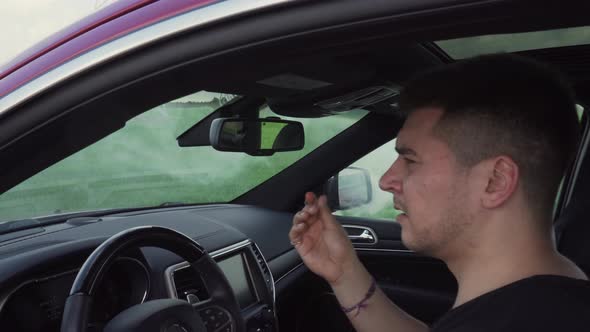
point(162, 315)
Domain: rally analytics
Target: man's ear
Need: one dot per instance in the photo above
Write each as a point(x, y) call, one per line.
point(503, 177)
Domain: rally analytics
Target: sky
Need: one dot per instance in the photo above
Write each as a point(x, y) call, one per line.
point(26, 22)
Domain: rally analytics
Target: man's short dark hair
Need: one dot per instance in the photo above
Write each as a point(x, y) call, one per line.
point(504, 105)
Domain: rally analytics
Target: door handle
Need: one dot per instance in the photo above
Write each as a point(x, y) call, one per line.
point(363, 236)
point(360, 234)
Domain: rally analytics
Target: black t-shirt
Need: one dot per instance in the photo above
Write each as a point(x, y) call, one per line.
point(540, 303)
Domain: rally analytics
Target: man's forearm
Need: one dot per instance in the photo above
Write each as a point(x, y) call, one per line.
point(378, 313)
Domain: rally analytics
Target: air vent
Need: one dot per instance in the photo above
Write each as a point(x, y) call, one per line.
point(264, 267)
point(187, 281)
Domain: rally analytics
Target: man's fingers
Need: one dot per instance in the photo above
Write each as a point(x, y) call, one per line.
point(307, 215)
point(323, 206)
point(296, 232)
point(325, 214)
point(304, 219)
point(310, 203)
point(315, 208)
point(310, 198)
point(301, 217)
point(311, 209)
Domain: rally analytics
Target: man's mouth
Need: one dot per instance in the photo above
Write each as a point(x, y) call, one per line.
point(400, 208)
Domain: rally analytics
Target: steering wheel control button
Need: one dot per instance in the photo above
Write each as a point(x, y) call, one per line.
point(222, 317)
point(176, 328)
point(215, 319)
point(267, 315)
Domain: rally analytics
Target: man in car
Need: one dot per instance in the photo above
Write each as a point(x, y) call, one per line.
point(481, 156)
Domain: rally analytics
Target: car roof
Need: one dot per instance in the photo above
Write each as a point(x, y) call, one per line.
point(109, 23)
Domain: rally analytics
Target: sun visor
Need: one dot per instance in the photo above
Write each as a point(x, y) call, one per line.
point(325, 88)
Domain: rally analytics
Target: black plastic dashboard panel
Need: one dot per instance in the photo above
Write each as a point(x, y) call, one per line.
point(126, 283)
point(214, 226)
point(61, 249)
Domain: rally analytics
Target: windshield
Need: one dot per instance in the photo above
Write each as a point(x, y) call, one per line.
point(142, 165)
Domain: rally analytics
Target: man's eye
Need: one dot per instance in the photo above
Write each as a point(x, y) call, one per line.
point(409, 161)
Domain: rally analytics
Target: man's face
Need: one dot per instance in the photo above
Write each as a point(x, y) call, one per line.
point(429, 186)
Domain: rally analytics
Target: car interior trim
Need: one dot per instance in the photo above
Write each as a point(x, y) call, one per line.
point(257, 295)
point(583, 149)
point(372, 235)
point(231, 248)
point(272, 280)
point(290, 271)
point(147, 274)
point(5, 299)
point(171, 287)
point(169, 272)
point(404, 251)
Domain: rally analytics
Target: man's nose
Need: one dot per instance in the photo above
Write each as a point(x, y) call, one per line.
point(390, 180)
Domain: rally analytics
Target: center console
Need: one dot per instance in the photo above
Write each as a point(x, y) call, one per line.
point(250, 278)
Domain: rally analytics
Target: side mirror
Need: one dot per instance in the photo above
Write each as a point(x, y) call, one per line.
point(257, 137)
point(349, 188)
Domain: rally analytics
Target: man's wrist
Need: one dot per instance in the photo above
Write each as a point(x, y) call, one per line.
point(352, 286)
point(352, 273)
point(356, 309)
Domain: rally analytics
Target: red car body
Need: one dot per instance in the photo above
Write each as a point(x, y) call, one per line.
point(107, 24)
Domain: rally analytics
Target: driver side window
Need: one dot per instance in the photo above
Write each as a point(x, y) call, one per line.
point(381, 204)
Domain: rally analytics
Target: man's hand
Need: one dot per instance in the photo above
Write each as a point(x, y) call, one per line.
point(325, 248)
point(321, 241)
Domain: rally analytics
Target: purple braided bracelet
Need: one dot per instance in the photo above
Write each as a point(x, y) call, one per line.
point(363, 302)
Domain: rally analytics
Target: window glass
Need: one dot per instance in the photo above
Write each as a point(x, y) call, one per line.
point(461, 48)
point(381, 206)
point(142, 165)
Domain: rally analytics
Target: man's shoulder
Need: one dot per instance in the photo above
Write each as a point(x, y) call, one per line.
point(540, 303)
point(546, 290)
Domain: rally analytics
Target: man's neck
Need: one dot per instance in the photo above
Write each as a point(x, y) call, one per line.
point(492, 265)
point(478, 278)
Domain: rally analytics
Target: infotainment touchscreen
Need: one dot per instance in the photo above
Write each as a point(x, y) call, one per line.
point(236, 273)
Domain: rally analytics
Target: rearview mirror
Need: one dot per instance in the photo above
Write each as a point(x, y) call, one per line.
point(349, 188)
point(257, 137)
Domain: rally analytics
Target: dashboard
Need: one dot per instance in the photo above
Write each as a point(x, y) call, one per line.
point(126, 283)
point(250, 246)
